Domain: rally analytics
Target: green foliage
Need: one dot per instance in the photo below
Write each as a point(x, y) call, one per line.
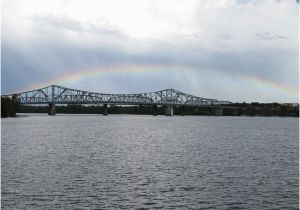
point(237, 109)
point(9, 106)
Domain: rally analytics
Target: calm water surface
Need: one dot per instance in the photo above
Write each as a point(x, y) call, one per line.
point(147, 162)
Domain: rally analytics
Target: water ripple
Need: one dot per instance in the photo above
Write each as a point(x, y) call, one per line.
point(146, 162)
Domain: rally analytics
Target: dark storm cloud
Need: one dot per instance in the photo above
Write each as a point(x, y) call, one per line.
point(43, 60)
point(49, 60)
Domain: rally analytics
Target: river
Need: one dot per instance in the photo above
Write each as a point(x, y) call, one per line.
point(149, 162)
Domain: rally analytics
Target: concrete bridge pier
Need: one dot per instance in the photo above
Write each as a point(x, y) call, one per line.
point(218, 111)
point(155, 109)
point(169, 110)
point(51, 109)
point(105, 112)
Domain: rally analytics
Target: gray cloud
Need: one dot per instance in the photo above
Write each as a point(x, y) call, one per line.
point(54, 57)
point(58, 23)
point(269, 36)
point(203, 36)
point(61, 24)
point(219, 52)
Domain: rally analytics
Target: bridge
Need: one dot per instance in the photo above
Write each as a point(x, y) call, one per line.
point(56, 94)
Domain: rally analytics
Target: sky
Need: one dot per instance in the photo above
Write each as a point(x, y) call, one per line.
point(235, 50)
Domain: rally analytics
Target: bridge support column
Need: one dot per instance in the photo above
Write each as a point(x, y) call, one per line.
point(51, 109)
point(218, 111)
point(105, 112)
point(169, 110)
point(154, 110)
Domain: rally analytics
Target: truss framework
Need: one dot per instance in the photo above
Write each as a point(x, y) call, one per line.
point(55, 94)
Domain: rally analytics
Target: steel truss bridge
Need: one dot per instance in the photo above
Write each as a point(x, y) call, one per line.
point(56, 94)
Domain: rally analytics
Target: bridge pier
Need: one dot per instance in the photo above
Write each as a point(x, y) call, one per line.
point(155, 110)
point(51, 109)
point(169, 110)
point(105, 112)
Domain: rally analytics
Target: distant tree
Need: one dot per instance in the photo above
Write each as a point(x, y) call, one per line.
point(4, 106)
point(9, 106)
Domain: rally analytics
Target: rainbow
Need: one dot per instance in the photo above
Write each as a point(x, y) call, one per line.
point(100, 71)
point(287, 89)
point(117, 69)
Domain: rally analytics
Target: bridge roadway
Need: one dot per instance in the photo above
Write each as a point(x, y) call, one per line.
point(56, 94)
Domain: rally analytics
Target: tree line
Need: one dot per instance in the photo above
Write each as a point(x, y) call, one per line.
point(9, 106)
point(237, 109)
